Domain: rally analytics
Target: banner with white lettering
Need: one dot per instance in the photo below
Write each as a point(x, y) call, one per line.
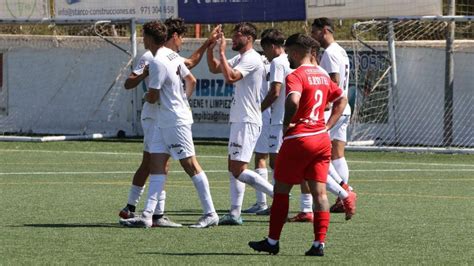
point(115, 9)
point(371, 9)
point(24, 9)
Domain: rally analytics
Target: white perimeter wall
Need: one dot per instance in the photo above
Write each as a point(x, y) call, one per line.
point(74, 85)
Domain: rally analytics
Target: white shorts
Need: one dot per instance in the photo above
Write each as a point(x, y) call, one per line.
point(339, 131)
point(176, 141)
point(150, 135)
point(275, 139)
point(262, 142)
point(242, 140)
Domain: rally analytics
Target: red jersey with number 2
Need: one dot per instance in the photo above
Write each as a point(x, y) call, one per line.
point(316, 89)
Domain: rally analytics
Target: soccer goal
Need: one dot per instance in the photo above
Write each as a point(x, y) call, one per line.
point(65, 79)
point(399, 75)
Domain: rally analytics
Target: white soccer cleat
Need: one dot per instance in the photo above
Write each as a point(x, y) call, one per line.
point(207, 220)
point(257, 207)
point(165, 222)
point(142, 221)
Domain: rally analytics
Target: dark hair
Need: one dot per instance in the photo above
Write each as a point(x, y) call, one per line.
point(302, 41)
point(247, 29)
point(175, 25)
point(316, 47)
point(272, 36)
point(156, 30)
point(322, 22)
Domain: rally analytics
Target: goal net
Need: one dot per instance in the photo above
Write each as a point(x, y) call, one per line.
point(400, 101)
point(65, 79)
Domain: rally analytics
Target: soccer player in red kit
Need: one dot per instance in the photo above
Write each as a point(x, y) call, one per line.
point(306, 150)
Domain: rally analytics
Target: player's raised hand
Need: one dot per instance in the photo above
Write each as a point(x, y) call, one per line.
point(214, 35)
point(223, 43)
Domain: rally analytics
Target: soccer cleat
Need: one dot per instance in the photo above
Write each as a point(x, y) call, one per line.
point(165, 222)
point(350, 205)
point(302, 217)
point(228, 219)
point(207, 220)
point(315, 251)
point(265, 246)
point(338, 207)
point(265, 211)
point(125, 213)
point(142, 221)
point(257, 207)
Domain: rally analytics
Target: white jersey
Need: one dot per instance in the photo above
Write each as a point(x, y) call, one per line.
point(246, 102)
point(149, 110)
point(166, 73)
point(266, 115)
point(279, 69)
point(335, 60)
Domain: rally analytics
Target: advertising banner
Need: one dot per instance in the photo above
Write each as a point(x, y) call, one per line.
point(371, 9)
point(115, 9)
point(231, 11)
point(24, 9)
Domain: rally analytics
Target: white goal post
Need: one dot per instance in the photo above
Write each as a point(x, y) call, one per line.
point(401, 101)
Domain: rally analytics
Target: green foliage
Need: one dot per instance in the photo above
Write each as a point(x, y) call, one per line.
point(60, 203)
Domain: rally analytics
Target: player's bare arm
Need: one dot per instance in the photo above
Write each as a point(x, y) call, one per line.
point(291, 106)
point(190, 85)
point(212, 63)
point(196, 57)
point(272, 95)
point(336, 111)
point(335, 77)
point(230, 75)
point(152, 96)
point(133, 80)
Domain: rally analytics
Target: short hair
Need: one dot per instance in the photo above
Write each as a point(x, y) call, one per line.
point(247, 29)
point(272, 36)
point(302, 41)
point(316, 47)
point(175, 25)
point(322, 22)
point(156, 30)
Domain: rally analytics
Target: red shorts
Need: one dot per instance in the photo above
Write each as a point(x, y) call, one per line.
point(304, 158)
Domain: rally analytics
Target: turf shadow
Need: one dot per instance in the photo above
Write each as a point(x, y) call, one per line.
point(197, 253)
point(73, 225)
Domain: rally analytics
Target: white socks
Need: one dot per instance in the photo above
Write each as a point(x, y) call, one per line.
point(334, 175)
point(336, 189)
point(160, 207)
point(134, 194)
point(254, 180)
point(157, 183)
point(237, 190)
point(261, 197)
point(306, 202)
point(202, 186)
point(342, 168)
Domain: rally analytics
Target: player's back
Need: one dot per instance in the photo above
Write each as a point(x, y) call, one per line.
point(174, 108)
point(316, 89)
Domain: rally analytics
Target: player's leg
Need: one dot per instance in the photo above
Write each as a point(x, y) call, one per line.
point(260, 169)
point(339, 139)
point(137, 187)
point(321, 217)
point(242, 141)
point(306, 205)
point(180, 140)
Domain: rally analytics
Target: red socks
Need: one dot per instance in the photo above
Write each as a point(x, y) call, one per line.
point(279, 214)
point(320, 225)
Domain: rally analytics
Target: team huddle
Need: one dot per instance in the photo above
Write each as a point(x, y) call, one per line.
point(289, 105)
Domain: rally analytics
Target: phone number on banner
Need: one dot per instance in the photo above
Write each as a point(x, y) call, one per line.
point(146, 10)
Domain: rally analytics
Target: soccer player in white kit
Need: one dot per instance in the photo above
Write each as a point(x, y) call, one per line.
point(245, 70)
point(336, 62)
point(167, 71)
point(175, 33)
point(261, 147)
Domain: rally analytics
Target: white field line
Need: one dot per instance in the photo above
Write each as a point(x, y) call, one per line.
point(219, 171)
point(225, 157)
